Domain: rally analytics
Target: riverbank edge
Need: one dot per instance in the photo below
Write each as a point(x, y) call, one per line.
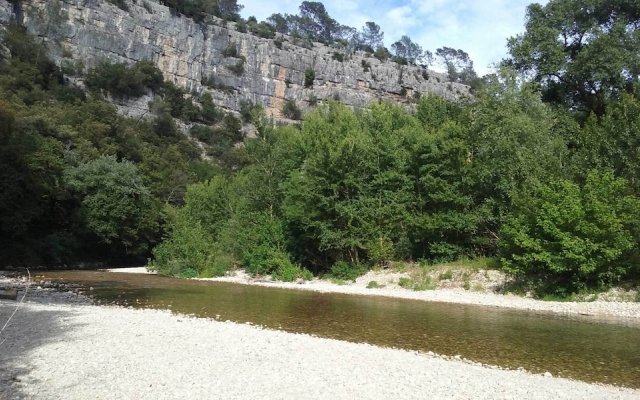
point(453, 364)
point(602, 311)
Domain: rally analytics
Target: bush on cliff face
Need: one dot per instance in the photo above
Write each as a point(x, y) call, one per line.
point(199, 9)
point(309, 77)
point(124, 81)
point(291, 110)
point(122, 4)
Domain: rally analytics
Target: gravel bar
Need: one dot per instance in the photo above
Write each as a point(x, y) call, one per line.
point(75, 351)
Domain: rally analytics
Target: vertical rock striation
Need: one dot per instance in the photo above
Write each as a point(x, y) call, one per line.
point(192, 55)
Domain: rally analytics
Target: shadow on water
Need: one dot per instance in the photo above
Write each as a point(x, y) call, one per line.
point(27, 331)
point(567, 347)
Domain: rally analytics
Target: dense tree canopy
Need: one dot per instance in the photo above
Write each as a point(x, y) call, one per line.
point(583, 52)
point(79, 182)
point(539, 169)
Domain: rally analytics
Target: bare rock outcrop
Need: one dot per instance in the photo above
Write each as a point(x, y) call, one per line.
point(213, 56)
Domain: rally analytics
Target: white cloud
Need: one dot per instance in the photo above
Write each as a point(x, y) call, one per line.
point(481, 28)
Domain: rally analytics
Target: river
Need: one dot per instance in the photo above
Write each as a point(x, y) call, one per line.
point(538, 342)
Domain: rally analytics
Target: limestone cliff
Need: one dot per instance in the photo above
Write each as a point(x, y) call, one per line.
point(191, 54)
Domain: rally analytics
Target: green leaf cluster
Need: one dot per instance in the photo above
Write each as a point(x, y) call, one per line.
point(79, 182)
point(567, 237)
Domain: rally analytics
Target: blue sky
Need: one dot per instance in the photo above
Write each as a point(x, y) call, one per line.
point(479, 27)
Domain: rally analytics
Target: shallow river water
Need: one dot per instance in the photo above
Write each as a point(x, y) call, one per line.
point(569, 347)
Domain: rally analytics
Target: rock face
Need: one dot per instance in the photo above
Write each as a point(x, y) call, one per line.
point(199, 57)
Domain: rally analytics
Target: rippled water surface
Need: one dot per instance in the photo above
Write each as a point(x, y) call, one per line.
point(568, 347)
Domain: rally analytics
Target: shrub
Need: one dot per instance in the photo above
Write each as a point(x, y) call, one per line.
point(238, 67)
point(374, 285)
point(265, 260)
point(291, 110)
point(202, 133)
point(121, 4)
point(380, 250)
point(313, 100)
point(278, 42)
point(186, 253)
point(337, 56)
point(405, 282)
point(246, 108)
point(366, 66)
point(303, 42)
point(122, 80)
point(230, 51)
point(566, 237)
point(346, 271)
point(400, 60)
point(209, 113)
point(263, 30)
point(447, 275)
point(309, 77)
point(418, 282)
point(382, 54)
point(241, 26)
point(72, 68)
point(289, 272)
point(213, 83)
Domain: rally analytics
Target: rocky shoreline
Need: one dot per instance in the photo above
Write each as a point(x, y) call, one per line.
point(79, 351)
point(128, 348)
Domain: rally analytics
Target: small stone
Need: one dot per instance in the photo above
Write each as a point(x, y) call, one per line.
point(548, 375)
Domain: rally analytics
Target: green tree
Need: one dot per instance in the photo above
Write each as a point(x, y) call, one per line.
point(116, 205)
point(447, 223)
point(513, 139)
point(279, 22)
point(459, 65)
point(190, 247)
point(565, 237)
point(582, 52)
point(317, 23)
point(611, 141)
point(371, 36)
point(407, 50)
point(351, 189)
